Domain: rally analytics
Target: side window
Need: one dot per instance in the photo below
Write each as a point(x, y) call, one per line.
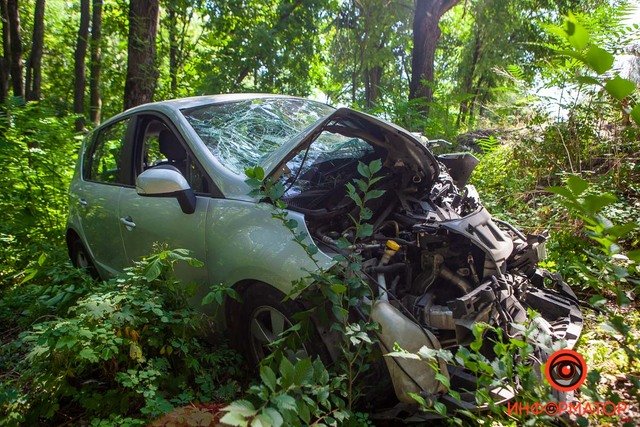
point(105, 160)
point(160, 146)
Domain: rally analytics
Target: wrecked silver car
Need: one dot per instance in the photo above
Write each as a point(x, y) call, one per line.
point(174, 172)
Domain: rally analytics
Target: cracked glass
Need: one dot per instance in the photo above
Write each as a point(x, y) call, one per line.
point(242, 133)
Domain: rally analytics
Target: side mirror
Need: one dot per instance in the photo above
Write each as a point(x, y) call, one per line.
point(167, 181)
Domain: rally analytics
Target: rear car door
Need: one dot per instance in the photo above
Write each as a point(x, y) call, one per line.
point(146, 220)
point(95, 197)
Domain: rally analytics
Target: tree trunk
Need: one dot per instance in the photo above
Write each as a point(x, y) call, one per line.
point(16, 48)
point(5, 61)
point(426, 34)
point(95, 102)
point(34, 66)
point(373, 76)
point(173, 49)
point(467, 82)
point(141, 68)
point(80, 55)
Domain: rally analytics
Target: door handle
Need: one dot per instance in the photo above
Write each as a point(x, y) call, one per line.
point(128, 222)
point(83, 202)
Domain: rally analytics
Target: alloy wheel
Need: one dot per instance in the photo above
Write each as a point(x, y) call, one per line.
point(267, 323)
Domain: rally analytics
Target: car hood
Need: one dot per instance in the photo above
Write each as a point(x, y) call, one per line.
point(399, 143)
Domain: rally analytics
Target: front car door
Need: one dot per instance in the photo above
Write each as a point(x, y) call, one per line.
point(148, 221)
point(95, 197)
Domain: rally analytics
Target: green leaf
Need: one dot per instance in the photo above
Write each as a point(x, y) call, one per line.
point(242, 407)
point(285, 402)
point(209, 298)
point(440, 408)
point(635, 114)
point(363, 170)
point(577, 35)
point(620, 230)
point(286, 370)
point(88, 354)
point(561, 191)
point(374, 194)
point(577, 185)
point(375, 166)
point(587, 80)
point(634, 255)
point(338, 288)
point(153, 271)
point(598, 59)
point(366, 214)
point(303, 411)
point(419, 399)
point(303, 371)
point(30, 275)
point(597, 300)
point(365, 230)
point(444, 380)
point(261, 420)
point(276, 418)
point(258, 173)
point(596, 202)
point(268, 377)
point(234, 419)
point(619, 88)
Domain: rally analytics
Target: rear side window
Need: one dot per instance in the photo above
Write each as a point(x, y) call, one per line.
point(104, 161)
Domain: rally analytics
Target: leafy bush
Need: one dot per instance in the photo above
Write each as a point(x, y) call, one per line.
point(38, 152)
point(128, 346)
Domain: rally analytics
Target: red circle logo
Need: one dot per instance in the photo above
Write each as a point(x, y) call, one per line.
point(565, 370)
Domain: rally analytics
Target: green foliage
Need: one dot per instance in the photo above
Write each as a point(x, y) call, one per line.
point(38, 152)
point(272, 46)
point(592, 56)
point(127, 346)
point(298, 393)
point(513, 367)
point(364, 229)
point(622, 269)
point(302, 391)
point(368, 54)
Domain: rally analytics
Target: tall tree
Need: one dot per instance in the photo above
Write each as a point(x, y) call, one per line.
point(368, 50)
point(79, 68)
point(426, 34)
point(173, 47)
point(272, 45)
point(141, 67)
point(5, 61)
point(95, 104)
point(13, 16)
point(34, 65)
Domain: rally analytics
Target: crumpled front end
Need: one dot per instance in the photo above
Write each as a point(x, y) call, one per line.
point(438, 262)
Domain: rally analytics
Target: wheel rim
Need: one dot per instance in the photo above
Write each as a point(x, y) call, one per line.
point(267, 323)
point(82, 261)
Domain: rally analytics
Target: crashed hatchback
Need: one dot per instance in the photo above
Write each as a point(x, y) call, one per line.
point(173, 172)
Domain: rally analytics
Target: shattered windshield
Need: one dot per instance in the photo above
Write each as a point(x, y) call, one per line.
point(241, 133)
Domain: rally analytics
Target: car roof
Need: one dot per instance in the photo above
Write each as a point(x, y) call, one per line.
point(196, 101)
point(173, 105)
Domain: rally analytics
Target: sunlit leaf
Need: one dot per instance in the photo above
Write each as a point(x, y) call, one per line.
point(576, 34)
point(620, 88)
point(598, 59)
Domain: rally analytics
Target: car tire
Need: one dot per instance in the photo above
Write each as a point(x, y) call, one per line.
point(262, 315)
point(81, 259)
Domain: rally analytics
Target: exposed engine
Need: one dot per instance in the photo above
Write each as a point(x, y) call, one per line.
point(437, 260)
point(435, 249)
